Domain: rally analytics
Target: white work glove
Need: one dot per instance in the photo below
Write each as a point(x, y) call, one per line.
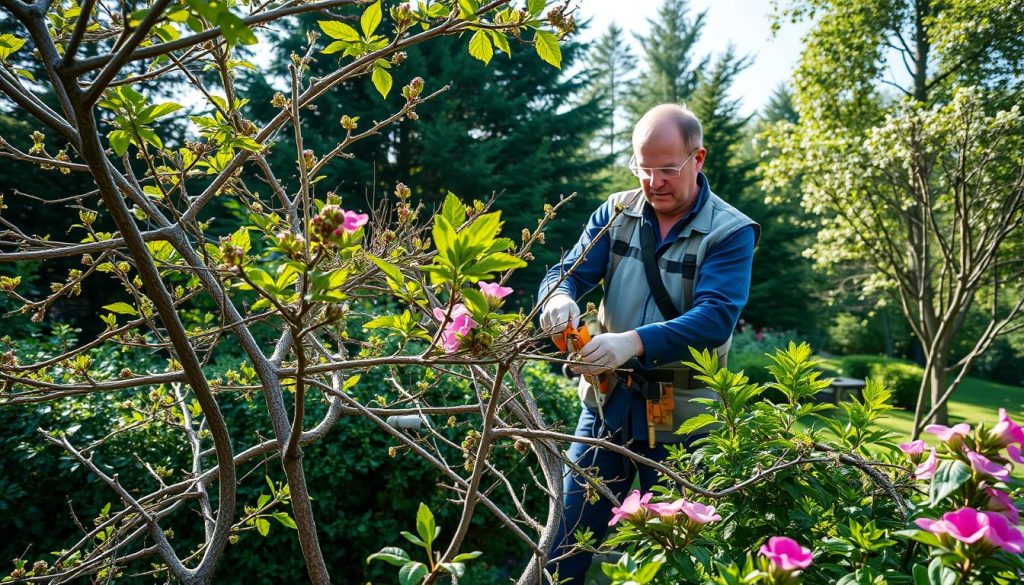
point(608, 351)
point(558, 311)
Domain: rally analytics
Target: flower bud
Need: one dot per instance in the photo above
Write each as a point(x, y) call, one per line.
point(349, 122)
point(279, 101)
point(87, 217)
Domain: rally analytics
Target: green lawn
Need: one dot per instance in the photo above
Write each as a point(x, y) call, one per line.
point(975, 400)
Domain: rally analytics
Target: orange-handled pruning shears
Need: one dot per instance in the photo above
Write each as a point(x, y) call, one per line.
point(571, 342)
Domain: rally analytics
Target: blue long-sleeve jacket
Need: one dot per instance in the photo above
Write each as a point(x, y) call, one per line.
point(721, 286)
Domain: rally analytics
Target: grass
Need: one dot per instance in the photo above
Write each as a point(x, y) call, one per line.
point(974, 401)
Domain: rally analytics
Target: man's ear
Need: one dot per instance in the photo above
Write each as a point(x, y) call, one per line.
point(699, 157)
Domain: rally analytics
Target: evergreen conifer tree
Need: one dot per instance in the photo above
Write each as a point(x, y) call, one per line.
point(669, 53)
point(610, 67)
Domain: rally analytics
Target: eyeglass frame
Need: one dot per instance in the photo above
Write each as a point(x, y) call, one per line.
point(666, 171)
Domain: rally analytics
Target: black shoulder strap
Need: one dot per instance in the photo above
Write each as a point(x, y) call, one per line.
point(654, 281)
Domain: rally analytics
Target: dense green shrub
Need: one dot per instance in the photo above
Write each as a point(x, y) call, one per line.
point(903, 378)
point(364, 491)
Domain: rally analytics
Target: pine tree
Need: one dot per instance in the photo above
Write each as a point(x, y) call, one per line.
point(729, 172)
point(671, 73)
point(610, 70)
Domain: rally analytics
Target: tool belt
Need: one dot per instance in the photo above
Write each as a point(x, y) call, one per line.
point(658, 388)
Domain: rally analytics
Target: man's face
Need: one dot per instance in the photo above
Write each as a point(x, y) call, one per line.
point(657, 150)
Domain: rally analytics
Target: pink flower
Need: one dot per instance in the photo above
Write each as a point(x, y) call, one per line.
point(667, 509)
point(457, 310)
point(1013, 452)
point(1007, 431)
point(353, 221)
point(927, 469)
point(1003, 535)
point(984, 465)
point(945, 434)
point(460, 325)
point(631, 508)
point(1001, 503)
point(494, 291)
point(786, 553)
point(966, 525)
point(914, 449)
point(699, 513)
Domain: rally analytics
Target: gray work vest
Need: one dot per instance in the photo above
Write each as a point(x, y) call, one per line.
point(628, 302)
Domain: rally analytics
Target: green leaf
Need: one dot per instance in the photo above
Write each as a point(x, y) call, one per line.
point(476, 301)
point(262, 526)
point(467, 556)
point(413, 539)
point(150, 113)
point(425, 524)
point(118, 141)
point(453, 209)
point(468, 8)
point(370, 19)
point(412, 573)
point(498, 262)
point(480, 46)
point(260, 278)
point(338, 30)
point(150, 137)
point(938, 574)
point(121, 309)
point(949, 477)
point(500, 41)
point(8, 45)
point(536, 6)
point(335, 47)
point(285, 519)
point(240, 238)
point(382, 81)
point(390, 270)
point(697, 422)
point(262, 501)
point(391, 555)
point(547, 48)
point(235, 30)
point(444, 235)
point(457, 569)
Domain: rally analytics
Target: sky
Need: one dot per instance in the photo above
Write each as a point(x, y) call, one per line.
point(744, 23)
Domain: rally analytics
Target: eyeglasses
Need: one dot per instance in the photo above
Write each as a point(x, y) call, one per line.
point(646, 173)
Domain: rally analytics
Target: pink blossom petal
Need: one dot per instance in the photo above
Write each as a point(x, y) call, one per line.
point(927, 468)
point(1001, 503)
point(913, 448)
point(1003, 535)
point(632, 505)
point(699, 513)
point(786, 553)
point(945, 433)
point(984, 465)
point(494, 290)
point(966, 525)
point(1007, 431)
point(667, 509)
point(932, 525)
point(353, 221)
point(1014, 452)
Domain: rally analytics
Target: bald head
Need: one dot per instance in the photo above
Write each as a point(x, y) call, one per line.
point(669, 118)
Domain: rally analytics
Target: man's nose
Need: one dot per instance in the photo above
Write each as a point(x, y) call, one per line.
point(657, 180)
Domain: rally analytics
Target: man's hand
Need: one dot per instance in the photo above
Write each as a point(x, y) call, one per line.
point(608, 351)
point(559, 311)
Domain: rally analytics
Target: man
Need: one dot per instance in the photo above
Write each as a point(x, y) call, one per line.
point(702, 249)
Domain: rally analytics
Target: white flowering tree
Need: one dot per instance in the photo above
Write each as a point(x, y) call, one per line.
point(915, 165)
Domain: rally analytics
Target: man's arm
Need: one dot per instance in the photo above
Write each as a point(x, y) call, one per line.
point(720, 292)
point(591, 270)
